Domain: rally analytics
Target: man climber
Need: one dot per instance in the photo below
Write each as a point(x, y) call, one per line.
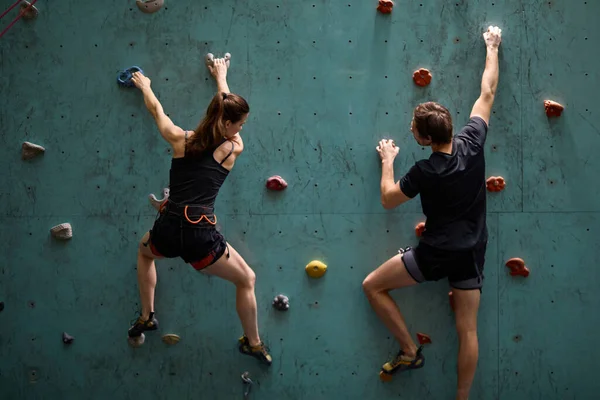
point(451, 183)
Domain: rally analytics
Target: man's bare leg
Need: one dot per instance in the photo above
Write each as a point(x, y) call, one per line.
point(466, 306)
point(391, 275)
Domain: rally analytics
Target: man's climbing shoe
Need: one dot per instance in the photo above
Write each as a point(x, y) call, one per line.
point(261, 351)
point(141, 325)
point(401, 363)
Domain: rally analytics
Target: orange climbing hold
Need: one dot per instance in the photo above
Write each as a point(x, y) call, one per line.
point(495, 184)
point(419, 229)
point(553, 109)
point(451, 299)
point(517, 267)
point(423, 338)
point(385, 6)
point(422, 77)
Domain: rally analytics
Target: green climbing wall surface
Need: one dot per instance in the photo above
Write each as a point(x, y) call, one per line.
point(325, 81)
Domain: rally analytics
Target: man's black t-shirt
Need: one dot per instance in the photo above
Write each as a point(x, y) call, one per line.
point(453, 191)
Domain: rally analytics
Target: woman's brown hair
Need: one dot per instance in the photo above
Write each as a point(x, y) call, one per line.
point(211, 130)
point(433, 120)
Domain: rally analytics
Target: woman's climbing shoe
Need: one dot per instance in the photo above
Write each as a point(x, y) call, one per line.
point(402, 363)
point(141, 325)
point(261, 351)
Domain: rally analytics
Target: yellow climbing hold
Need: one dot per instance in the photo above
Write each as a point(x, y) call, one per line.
point(170, 338)
point(316, 269)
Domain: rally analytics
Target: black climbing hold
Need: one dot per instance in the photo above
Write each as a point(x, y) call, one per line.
point(1, 305)
point(67, 339)
point(281, 302)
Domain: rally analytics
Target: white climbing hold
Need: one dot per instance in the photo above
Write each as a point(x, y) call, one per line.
point(62, 231)
point(156, 203)
point(210, 59)
point(30, 150)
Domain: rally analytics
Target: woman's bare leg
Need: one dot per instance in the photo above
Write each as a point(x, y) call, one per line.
point(146, 274)
point(235, 270)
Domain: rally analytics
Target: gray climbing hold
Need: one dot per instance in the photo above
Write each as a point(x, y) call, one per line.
point(62, 231)
point(67, 339)
point(156, 203)
point(281, 302)
point(149, 6)
point(136, 341)
point(30, 150)
point(210, 59)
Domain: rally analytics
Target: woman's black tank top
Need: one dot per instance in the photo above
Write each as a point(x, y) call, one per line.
point(197, 179)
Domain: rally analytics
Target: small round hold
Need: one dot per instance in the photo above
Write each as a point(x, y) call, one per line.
point(67, 339)
point(149, 6)
point(62, 231)
point(281, 302)
point(136, 341)
point(422, 77)
point(170, 338)
point(315, 269)
point(209, 59)
point(553, 109)
point(495, 184)
point(385, 6)
point(276, 182)
point(29, 11)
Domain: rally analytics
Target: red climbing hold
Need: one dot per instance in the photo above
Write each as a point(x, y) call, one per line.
point(517, 267)
point(419, 229)
point(451, 299)
point(423, 338)
point(385, 6)
point(422, 77)
point(495, 184)
point(276, 183)
point(553, 109)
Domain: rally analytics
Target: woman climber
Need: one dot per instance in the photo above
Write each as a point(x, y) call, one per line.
point(185, 226)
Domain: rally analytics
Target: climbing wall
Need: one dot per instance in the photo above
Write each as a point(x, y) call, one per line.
point(325, 81)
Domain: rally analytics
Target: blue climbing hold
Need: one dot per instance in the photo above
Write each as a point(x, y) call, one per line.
point(124, 77)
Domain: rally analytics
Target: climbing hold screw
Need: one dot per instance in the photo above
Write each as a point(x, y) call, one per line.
point(423, 338)
point(30, 150)
point(517, 267)
point(281, 302)
point(67, 339)
point(276, 183)
point(124, 77)
point(422, 77)
point(419, 229)
point(316, 269)
point(495, 184)
point(385, 6)
point(553, 109)
point(149, 6)
point(157, 203)
point(62, 231)
point(170, 338)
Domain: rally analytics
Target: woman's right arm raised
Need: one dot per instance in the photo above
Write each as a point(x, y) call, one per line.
point(169, 131)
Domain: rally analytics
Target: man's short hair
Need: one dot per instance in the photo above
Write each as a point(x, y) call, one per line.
point(433, 120)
